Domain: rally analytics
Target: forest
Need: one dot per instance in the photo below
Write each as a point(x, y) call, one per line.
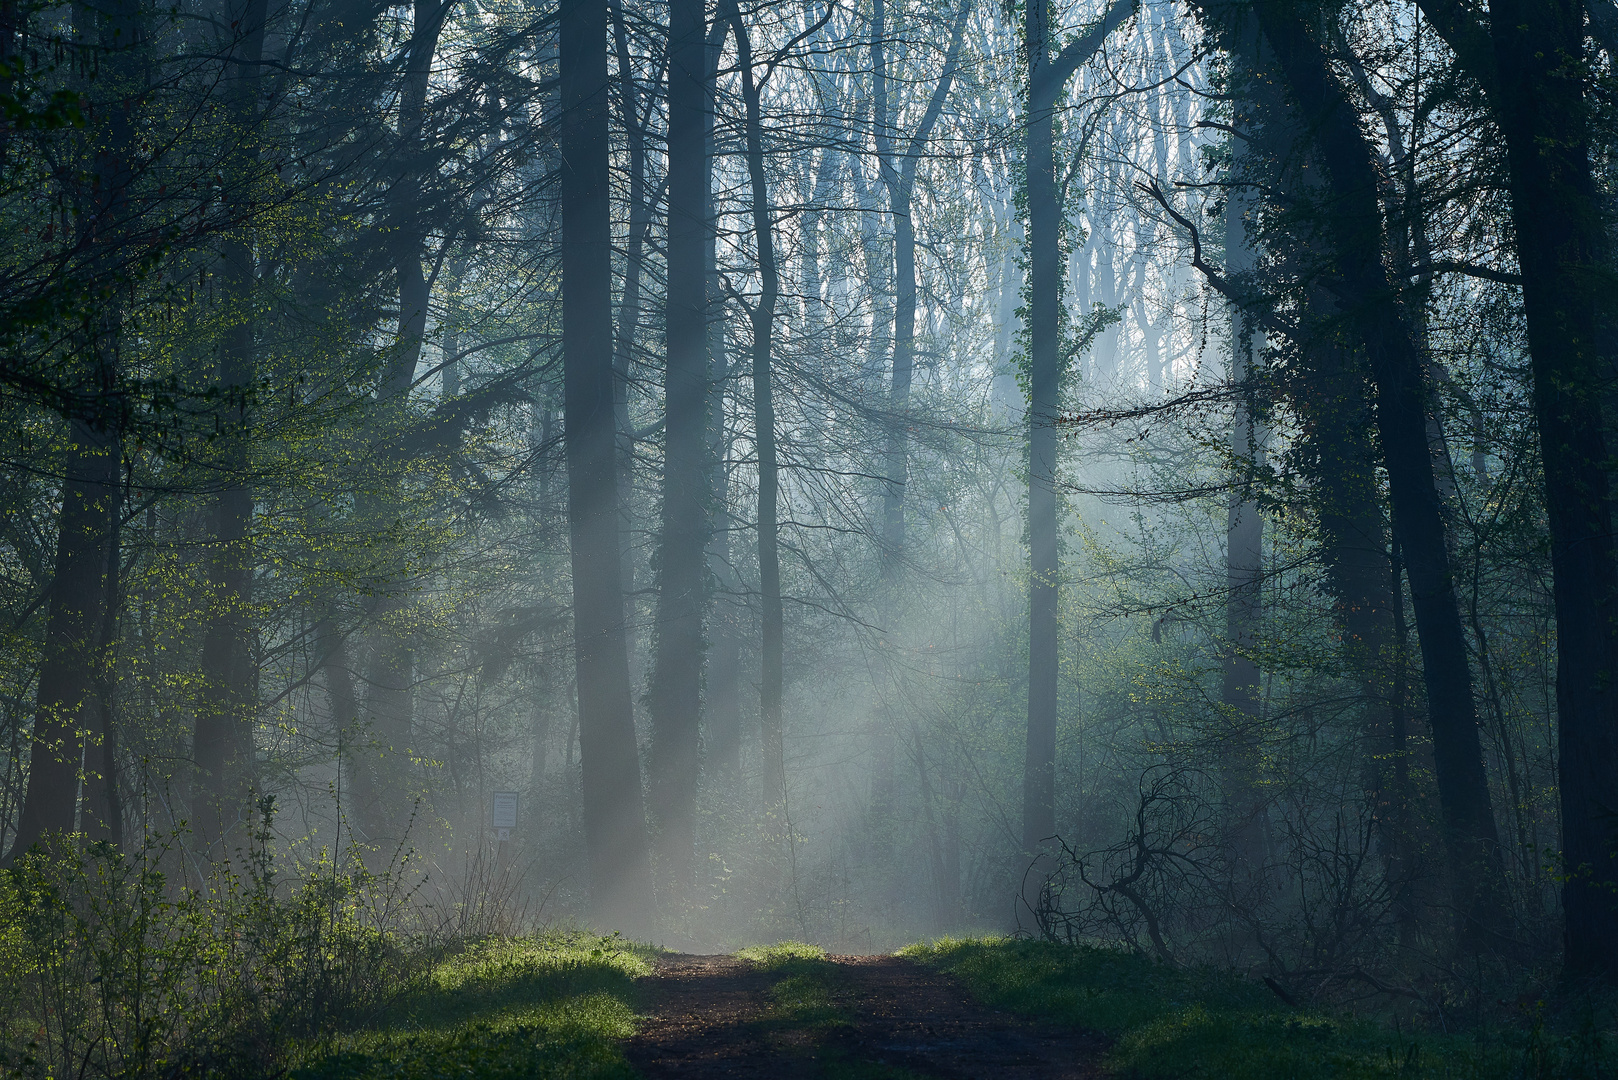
point(1131, 479)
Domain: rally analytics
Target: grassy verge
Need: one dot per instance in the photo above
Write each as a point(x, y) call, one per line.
point(1192, 1023)
point(548, 1006)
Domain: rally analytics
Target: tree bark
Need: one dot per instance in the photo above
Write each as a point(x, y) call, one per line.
point(727, 619)
point(1046, 78)
point(762, 318)
point(68, 720)
point(1530, 62)
point(390, 668)
point(73, 743)
point(899, 178)
point(614, 806)
point(223, 740)
point(1369, 296)
point(1241, 754)
point(676, 691)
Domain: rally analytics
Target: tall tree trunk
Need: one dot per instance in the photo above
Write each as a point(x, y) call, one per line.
point(1244, 551)
point(1046, 78)
point(223, 741)
point(1340, 454)
point(338, 676)
point(727, 619)
point(68, 717)
point(390, 670)
point(1368, 295)
point(72, 743)
point(899, 178)
point(628, 327)
point(676, 690)
point(614, 806)
point(1044, 264)
point(1531, 63)
point(762, 318)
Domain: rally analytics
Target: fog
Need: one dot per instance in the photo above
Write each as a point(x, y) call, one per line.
point(848, 473)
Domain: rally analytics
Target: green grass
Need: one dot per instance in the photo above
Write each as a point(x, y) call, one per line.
point(555, 1005)
point(1204, 1023)
point(784, 956)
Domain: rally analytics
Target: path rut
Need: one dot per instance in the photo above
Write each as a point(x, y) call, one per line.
point(871, 1017)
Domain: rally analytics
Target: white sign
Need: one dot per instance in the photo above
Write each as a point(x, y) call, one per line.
point(503, 810)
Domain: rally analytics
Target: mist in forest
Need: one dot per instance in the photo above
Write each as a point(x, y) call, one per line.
point(856, 471)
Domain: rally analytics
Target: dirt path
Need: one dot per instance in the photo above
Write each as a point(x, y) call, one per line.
point(865, 1017)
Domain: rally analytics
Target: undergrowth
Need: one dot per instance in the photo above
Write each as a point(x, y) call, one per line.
point(1174, 1022)
point(552, 1005)
point(150, 962)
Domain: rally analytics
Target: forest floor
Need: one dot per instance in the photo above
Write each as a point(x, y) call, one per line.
point(576, 1006)
point(785, 1014)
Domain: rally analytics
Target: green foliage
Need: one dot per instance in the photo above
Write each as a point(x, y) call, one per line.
point(782, 956)
point(120, 963)
point(552, 1005)
point(1207, 1022)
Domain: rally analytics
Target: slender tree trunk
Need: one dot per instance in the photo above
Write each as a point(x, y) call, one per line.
point(628, 328)
point(677, 672)
point(727, 619)
point(224, 721)
point(1044, 266)
point(338, 677)
point(1362, 284)
point(1046, 78)
point(614, 807)
point(763, 320)
point(390, 701)
point(899, 177)
point(1337, 443)
point(450, 374)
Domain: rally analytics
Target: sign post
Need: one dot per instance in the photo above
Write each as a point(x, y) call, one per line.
point(503, 813)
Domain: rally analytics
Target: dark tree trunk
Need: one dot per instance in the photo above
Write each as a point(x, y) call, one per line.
point(1241, 753)
point(1340, 457)
point(224, 722)
point(628, 327)
point(762, 318)
point(614, 806)
point(727, 619)
point(1538, 101)
point(390, 668)
point(73, 737)
point(1046, 78)
point(1369, 296)
point(676, 691)
point(68, 720)
point(1044, 266)
point(338, 677)
point(899, 177)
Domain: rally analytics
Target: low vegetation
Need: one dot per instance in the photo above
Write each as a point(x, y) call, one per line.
point(1189, 1022)
point(139, 964)
point(554, 1005)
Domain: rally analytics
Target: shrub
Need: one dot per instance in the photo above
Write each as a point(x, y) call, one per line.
point(113, 965)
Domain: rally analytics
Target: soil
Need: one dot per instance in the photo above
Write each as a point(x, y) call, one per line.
point(883, 1016)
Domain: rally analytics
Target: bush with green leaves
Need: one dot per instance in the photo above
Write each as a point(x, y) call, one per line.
point(139, 962)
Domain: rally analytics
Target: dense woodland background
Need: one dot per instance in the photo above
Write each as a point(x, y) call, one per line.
point(859, 470)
